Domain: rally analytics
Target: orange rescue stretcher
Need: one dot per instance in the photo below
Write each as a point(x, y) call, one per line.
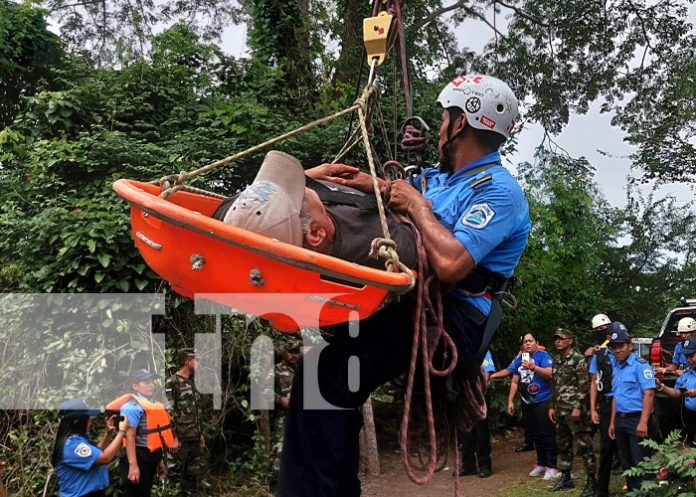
point(290, 286)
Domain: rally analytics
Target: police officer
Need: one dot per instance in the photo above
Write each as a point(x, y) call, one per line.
point(81, 466)
point(284, 373)
point(476, 443)
point(569, 410)
point(685, 387)
point(184, 406)
point(634, 394)
point(601, 398)
point(686, 327)
point(474, 222)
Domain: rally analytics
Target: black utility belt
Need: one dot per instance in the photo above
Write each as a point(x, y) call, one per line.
point(629, 414)
point(606, 398)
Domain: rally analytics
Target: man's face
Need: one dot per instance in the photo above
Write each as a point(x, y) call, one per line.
point(320, 231)
point(192, 363)
point(602, 333)
point(691, 359)
point(292, 356)
point(442, 137)
point(562, 344)
point(621, 350)
point(145, 387)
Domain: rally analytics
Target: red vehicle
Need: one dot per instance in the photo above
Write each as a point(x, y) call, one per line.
point(661, 353)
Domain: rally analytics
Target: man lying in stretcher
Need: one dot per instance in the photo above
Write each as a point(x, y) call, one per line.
point(295, 206)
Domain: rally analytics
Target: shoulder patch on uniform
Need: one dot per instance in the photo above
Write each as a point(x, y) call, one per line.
point(478, 217)
point(83, 450)
point(648, 374)
point(484, 179)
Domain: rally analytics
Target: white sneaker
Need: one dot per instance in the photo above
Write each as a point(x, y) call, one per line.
point(537, 471)
point(551, 474)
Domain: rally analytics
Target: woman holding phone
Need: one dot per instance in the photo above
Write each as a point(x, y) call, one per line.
point(531, 375)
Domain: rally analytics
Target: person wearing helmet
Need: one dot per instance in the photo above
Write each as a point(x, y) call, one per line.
point(685, 387)
point(474, 221)
point(80, 465)
point(601, 368)
point(686, 327)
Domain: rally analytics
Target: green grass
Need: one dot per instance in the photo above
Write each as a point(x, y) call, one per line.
point(532, 487)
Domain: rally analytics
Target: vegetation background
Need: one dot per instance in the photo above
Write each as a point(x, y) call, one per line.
point(142, 89)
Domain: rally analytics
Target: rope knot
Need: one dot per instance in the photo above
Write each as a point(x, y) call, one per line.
point(384, 248)
point(181, 178)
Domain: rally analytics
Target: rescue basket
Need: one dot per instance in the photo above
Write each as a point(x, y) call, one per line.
point(290, 286)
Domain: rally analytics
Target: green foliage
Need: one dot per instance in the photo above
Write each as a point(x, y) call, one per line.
point(28, 55)
point(669, 472)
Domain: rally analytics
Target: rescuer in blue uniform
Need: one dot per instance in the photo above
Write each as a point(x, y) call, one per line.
point(685, 387)
point(633, 385)
point(474, 222)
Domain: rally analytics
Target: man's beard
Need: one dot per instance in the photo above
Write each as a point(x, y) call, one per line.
point(446, 165)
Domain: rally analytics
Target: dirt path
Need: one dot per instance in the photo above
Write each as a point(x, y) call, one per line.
point(509, 468)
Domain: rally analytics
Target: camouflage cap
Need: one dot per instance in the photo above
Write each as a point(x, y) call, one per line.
point(185, 353)
point(563, 333)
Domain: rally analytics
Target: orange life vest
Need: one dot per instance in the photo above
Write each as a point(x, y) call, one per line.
point(158, 422)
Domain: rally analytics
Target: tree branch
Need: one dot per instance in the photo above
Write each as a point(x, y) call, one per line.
point(437, 13)
point(522, 13)
point(78, 4)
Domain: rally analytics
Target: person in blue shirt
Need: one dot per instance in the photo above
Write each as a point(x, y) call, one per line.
point(686, 327)
point(601, 397)
point(475, 444)
point(633, 385)
point(531, 372)
point(685, 387)
point(474, 222)
point(80, 465)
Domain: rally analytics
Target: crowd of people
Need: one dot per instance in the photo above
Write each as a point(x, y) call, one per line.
point(609, 390)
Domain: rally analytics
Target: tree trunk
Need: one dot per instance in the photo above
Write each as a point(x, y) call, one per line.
point(265, 427)
point(369, 453)
point(351, 42)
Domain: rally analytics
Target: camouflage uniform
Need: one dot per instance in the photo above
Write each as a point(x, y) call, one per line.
point(186, 466)
point(284, 372)
point(570, 390)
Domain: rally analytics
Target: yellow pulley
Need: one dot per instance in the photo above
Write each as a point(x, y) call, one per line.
point(376, 37)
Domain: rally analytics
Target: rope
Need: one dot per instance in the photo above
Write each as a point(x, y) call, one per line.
point(181, 178)
point(428, 303)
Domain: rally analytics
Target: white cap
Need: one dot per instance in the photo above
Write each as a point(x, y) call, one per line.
point(271, 205)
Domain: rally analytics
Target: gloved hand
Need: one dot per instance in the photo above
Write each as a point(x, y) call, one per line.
point(413, 140)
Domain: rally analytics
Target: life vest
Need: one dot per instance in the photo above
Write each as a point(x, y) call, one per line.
point(158, 422)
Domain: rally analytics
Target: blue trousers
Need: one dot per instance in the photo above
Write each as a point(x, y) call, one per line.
point(628, 445)
point(321, 447)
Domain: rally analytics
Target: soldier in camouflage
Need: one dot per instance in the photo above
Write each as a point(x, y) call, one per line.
point(569, 410)
point(284, 373)
point(184, 407)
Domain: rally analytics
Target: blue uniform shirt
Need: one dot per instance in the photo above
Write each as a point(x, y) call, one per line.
point(76, 472)
point(679, 358)
point(487, 364)
point(490, 219)
point(594, 369)
point(688, 381)
point(631, 378)
point(533, 388)
point(136, 418)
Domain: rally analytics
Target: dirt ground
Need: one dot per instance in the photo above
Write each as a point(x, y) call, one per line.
point(509, 468)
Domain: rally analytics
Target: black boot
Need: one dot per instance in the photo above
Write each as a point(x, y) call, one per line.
point(565, 481)
point(590, 489)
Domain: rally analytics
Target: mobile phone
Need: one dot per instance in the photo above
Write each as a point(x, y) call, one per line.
point(525, 356)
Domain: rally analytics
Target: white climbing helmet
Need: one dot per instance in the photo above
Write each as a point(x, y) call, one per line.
point(600, 320)
point(488, 102)
point(686, 325)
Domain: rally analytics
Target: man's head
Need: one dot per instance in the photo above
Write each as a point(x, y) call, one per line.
point(186, 357)
point(563, 339)
point(686, 327)
point(292, 353)
point(620, 341)
point(689, 351)
point(529, 343)
point(481, 105)
point(271, 205)
point(143, 382)
point(600, 324)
